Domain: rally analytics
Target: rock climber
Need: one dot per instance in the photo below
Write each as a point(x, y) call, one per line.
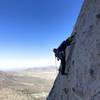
point(60, 53)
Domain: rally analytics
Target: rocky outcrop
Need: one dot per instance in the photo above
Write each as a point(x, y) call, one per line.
point(82, 59)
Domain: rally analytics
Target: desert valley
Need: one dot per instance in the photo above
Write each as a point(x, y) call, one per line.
point(29, 84)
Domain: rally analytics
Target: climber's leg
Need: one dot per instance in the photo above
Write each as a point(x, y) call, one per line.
point(63, 64)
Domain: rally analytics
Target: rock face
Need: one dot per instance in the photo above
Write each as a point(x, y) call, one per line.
point(82, 59)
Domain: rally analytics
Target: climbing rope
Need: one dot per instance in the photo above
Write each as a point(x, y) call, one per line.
point(56, 64)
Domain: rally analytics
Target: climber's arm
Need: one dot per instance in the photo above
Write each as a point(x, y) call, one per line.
point(70, 40)
point(62, 46)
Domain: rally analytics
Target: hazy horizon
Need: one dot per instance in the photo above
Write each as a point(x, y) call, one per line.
point(30, 29)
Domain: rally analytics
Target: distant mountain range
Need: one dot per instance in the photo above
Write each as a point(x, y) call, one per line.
point(48, 68)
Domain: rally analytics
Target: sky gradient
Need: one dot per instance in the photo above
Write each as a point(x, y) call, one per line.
point(30, 29)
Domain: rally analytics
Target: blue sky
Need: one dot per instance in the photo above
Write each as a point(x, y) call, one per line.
point(30, 29)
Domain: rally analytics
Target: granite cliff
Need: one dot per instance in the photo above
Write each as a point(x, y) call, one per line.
point(82, 59)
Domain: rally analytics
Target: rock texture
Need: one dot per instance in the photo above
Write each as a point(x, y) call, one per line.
point(82, 59)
